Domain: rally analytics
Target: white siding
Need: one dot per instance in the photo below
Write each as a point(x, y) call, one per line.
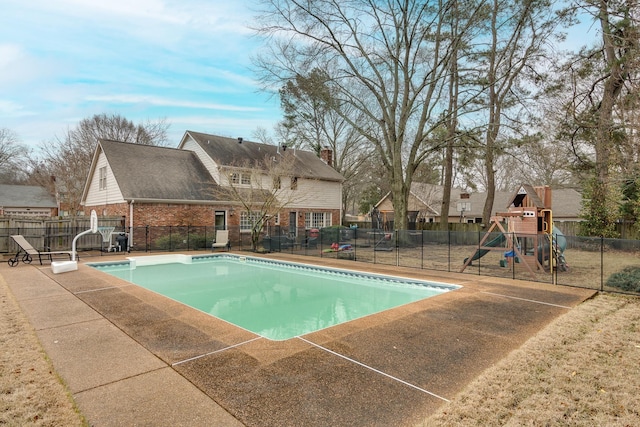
point(208, 163)
point(313, 194)
point(112, 194)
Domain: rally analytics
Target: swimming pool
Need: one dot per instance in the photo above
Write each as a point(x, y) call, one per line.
point(276, 300)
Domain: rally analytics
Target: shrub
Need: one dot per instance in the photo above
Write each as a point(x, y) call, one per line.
point(627, 280)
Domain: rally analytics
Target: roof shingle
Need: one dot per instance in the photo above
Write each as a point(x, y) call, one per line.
point(229, 152)
point(160, 173)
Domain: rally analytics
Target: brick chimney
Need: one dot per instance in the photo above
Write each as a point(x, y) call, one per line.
point(326, 154)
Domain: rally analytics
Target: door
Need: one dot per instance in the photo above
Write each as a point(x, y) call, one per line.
point(220, 220)
point(293, 225)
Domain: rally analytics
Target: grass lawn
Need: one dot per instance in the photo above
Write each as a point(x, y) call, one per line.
point(581, 370)
point(31, 392)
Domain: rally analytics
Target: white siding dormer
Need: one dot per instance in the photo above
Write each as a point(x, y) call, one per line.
point(103, 191)
point(240, 177)
point(313, 194)
point(207, 161)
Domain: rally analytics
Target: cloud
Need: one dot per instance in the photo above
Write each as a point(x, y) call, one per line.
point(153, 18)
point(17, 66)
point(12, 109)
point(9, 54)
point(69, 59)
point(166, 102)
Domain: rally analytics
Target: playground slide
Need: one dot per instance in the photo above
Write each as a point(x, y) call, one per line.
point(498, 241)
point(559, 240)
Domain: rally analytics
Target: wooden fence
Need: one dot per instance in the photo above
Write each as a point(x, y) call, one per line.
point(53, 234)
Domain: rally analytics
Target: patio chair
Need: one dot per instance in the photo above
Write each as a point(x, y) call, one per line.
point(311, 243)
point(222, 240)
point(30, 252)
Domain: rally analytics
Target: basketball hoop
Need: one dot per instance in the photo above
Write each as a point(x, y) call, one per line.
point(106, 233)
point(94, 221)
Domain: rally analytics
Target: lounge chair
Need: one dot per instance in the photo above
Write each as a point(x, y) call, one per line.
point(30, 252)
point(385, 243)
point(222, 240)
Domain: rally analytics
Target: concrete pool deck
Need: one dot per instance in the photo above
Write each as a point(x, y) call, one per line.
point(130, 356)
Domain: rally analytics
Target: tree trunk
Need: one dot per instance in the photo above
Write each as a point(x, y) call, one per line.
point(491, 173)
point(600, 216)
point(452, 127)
point(400, 203)
point(446, 193)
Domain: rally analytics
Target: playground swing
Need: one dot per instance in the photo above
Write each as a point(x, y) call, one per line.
point(509, 257)
point(510, 247)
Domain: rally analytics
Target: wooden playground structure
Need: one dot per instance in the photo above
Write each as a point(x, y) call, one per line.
point(529, 237)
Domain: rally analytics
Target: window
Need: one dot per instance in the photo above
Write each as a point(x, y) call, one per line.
point(276, 183)
point(294, 183)
point(102, 182)
point(248, 220)
point(243, 178)
point(317, 219)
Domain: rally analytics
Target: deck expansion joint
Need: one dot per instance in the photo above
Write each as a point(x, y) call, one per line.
point(214, 352)
point(525, 299)
point(374, 370)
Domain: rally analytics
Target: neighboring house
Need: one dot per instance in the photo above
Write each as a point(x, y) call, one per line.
point(159, 186)
point(425, 204)
point(66, 207)
point(27, 201)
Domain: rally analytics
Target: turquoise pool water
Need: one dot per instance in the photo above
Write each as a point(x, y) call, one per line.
point(276, 300)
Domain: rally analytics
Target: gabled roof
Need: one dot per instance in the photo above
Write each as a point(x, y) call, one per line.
point(229, 152)
point(526, 190)
point(566, 202)
point(157, 173)
point(26, 196)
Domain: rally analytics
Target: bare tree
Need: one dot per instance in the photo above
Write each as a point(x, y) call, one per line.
point(64, 163)
point(13, 157)
point(544, 161)
point(261, 134)
point(518, 34)
point(385, 59)
point(316, 120)
point(262, 188)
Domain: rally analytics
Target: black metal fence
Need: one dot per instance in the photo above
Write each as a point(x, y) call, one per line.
point(595, 263)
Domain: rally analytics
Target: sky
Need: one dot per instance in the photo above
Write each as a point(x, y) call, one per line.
point(186, 61)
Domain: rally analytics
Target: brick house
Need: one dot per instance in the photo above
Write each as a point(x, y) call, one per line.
point(160, 186)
